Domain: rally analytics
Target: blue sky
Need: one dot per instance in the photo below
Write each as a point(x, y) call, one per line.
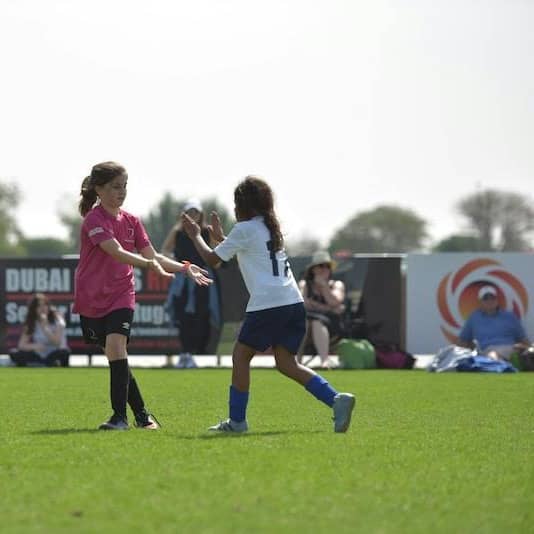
point(340, 105)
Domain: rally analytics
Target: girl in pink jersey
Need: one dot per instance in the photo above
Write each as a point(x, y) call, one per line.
point(112, 243)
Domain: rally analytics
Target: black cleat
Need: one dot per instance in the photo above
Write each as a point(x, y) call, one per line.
point(147, 421)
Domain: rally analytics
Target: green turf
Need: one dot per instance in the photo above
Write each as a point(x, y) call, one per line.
point(426, 453)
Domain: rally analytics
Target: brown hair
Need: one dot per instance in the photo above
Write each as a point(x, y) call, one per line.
point(101, 174)
point(31, 316)
point(253, 197)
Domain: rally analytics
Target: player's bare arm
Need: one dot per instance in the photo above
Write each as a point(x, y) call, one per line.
point(115, 250)
point(192, 271)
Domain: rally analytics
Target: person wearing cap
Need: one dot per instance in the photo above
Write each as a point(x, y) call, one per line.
point(324, 301)
point(495, 332)
point(193, 309)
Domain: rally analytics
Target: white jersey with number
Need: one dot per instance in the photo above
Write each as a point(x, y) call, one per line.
point(267, 275)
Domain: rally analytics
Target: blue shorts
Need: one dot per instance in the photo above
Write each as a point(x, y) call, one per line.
point(283, 325)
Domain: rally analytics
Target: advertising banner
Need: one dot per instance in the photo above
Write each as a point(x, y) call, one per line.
point(442, 291)
point(21, 279)
point(373, 287)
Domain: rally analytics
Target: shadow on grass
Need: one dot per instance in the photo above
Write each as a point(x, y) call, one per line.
point(229, 435)
point(205, 436)
point(63, 431)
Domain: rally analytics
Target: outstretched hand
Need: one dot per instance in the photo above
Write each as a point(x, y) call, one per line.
point(192, 229)
point(215, 228)
point(198, 275)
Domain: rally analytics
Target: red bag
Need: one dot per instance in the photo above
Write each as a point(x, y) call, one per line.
point(391, 357)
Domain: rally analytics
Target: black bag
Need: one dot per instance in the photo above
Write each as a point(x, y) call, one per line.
point(526, 359)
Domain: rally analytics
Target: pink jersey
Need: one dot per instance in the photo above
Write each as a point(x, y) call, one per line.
point(102, 284)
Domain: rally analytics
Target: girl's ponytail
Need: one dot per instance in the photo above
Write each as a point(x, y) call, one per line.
point(277, 238)
point(89, 196)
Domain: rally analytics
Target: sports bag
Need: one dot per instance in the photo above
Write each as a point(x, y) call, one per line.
point(356, 354)
point(391, 357)
point(524, 359)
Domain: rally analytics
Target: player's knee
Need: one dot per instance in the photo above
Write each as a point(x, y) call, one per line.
point(115, 348)
point(286, 366)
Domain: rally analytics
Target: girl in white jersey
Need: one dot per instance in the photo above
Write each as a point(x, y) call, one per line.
point(275, 315)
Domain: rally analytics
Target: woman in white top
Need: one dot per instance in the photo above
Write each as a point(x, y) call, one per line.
point(275, 315)
point(43, 340)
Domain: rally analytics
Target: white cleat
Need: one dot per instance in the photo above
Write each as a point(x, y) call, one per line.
point(230, 427)
point(343, 406)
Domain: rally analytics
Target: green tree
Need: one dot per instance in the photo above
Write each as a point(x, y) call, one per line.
point(501, 220)
point(458, 243)
point(160, 220)
point(45, 247)
point(10, 234)
point(72, 220)
point(383, 229)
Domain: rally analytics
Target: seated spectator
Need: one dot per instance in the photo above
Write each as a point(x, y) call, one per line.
point(324, 301)
point(493, 332)
point(43, 340)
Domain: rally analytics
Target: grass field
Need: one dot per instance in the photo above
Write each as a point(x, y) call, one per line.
point(425, 453)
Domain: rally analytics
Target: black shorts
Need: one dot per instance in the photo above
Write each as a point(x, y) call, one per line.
point(95, 329)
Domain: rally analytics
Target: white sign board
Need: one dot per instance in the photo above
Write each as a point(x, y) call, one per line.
point(442, 289)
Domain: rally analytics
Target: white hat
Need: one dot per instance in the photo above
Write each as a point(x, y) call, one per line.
point(320, 257)
point(193, 203)
point(486, 290)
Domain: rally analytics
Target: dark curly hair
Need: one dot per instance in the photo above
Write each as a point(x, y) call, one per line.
point(253, 197)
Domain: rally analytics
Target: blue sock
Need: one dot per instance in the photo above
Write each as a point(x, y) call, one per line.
point(322, 390)
point(238, 404)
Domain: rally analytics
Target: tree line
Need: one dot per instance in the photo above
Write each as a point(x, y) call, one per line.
point(492, 221)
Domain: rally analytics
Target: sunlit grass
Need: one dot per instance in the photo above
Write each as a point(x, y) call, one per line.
point(440, 453)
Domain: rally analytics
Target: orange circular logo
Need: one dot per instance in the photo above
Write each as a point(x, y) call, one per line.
point(457, 295)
